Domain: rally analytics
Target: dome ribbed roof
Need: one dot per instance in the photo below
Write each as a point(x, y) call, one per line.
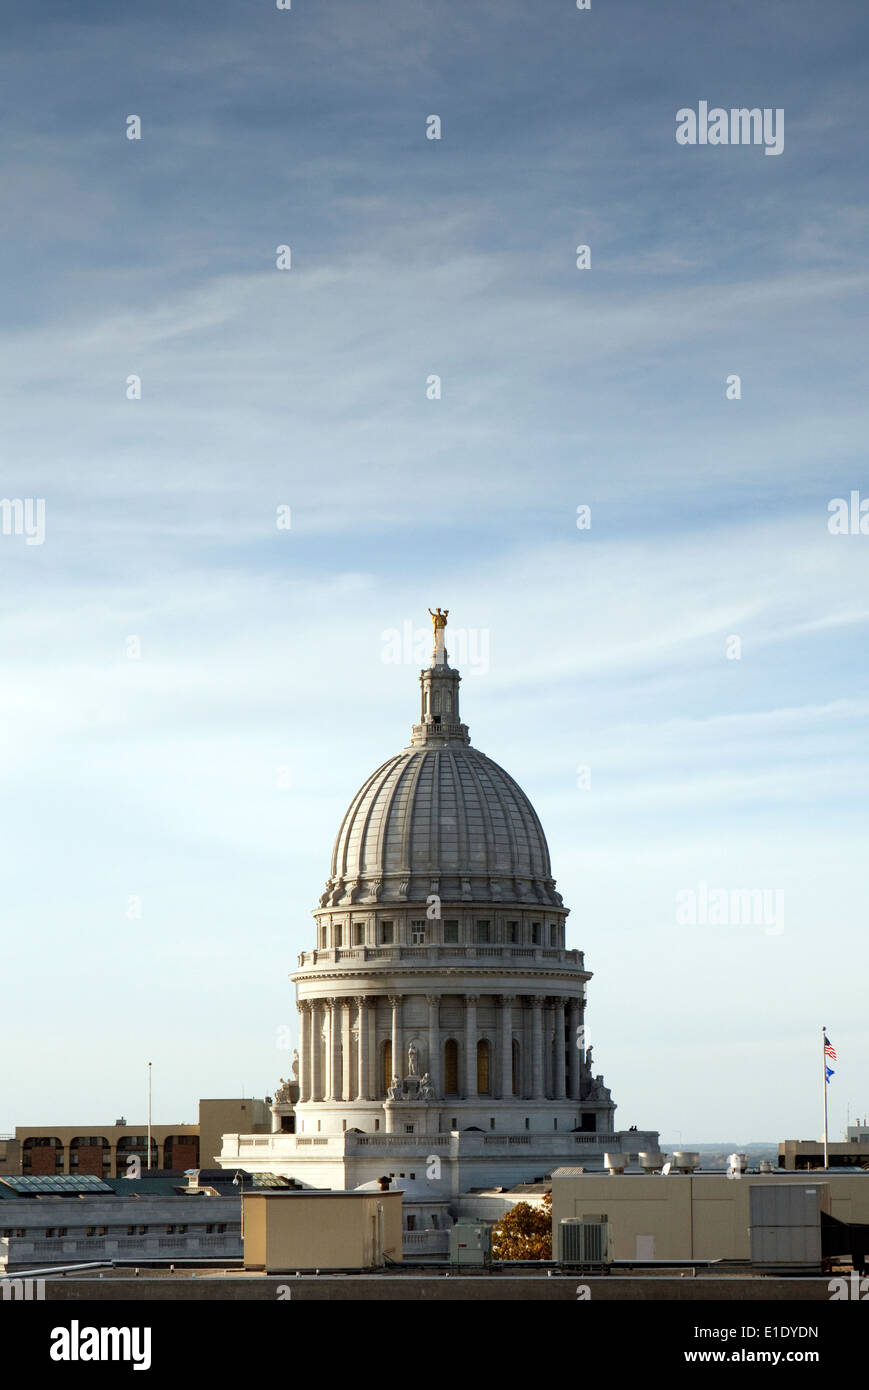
point(440, 820)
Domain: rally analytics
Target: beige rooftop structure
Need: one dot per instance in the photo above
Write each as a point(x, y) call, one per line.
point(808, 1154)
point(686, 1216)
point(286, 1231)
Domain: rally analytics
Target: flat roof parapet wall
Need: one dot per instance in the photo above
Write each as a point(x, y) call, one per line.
point(412, 1286)
point(74, 1131)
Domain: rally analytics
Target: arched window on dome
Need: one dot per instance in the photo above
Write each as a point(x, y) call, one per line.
point(436, 701)
point(483, 1086)
point(448, 702)
point(516, 1067)
point(451, 1067)
point(386, 1066)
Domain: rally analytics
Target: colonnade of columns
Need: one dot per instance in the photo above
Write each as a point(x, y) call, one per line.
point(547, 1031)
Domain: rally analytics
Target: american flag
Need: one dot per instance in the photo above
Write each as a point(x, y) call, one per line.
point(829, 1049)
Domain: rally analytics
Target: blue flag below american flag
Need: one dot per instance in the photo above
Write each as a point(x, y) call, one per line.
point(829, 1051)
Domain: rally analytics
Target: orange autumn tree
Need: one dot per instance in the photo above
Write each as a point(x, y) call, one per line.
point(525, 1233)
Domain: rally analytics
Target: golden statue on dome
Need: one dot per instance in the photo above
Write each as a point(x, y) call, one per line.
point(439, 620)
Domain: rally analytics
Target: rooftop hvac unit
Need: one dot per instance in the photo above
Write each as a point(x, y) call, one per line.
point(785, 1224)
point(470, 1243)
point(583, 1241)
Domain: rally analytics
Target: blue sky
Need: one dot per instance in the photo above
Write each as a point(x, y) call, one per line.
point(262, 650)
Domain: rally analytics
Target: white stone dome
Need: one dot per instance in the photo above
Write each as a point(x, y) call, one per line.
point(440, 817)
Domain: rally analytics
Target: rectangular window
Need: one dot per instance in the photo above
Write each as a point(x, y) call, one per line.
point(387, 934)
point(411, 1221)
point(491, 1122)
point(513, 932)
point(451, 933)
point(535, 933)
point(376, 1124)
point(417, 933)
point(553, 934)
point(408, 1129)
point(482, 932)
point(358, 933)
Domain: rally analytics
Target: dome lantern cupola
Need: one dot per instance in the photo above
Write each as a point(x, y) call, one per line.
point(439, 721)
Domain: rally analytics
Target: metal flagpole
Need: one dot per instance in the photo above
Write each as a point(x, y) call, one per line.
point(148, 1160)
point(824, 1064)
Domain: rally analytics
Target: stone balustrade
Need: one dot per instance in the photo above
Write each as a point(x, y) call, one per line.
point(247, 1147)
point(423, 955)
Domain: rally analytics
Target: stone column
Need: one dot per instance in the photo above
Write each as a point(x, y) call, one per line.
point(346, 1053)
point(304, 1050)
point(334, 1053)
point(363, 1070)
point(547, 1048)
point(560, 1090)
point(507, 1002)
point(537, 1048)
point(575, 1044)
point(398, 1068)
point(527, 1046)
point(326, 1050)
point(316, 1045)
point(471, 1001)
point(373, 1082)
point(434, 1041)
